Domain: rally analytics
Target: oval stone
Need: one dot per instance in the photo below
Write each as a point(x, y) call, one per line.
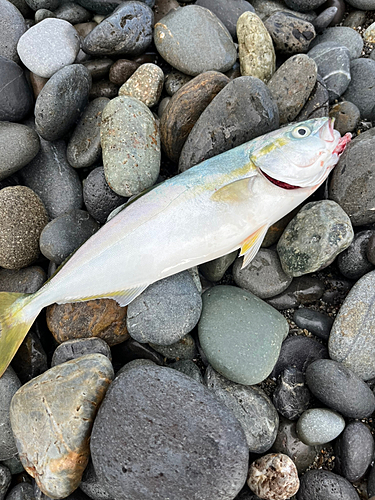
point(290, 34)
point(342, 35)
point(16, 98)
point(193, 40)
point(73, 349)
point(131, 146)
point(353, 262)
point(12, 27)
point(325, 485)
point(360, 90)
point(319, 426)
point(240, 334)
point(159, 425)
point(145, 84)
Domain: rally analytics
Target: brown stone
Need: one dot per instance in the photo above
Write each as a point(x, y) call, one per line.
point(98, 68)
point(37, 83)
point(184, 109)
point(83, 29)
point(103, 88)
point(102, 318)
point(162, 7)
point(121, 70)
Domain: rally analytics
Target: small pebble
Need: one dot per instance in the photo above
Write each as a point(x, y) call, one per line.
point(341, 7)
point(5, 480)
point(27, 280)
point(353, 262)
point(145, 84)
point(346, 115)
point(314, 321)
point(325, 485)
point(325, 18)
point(103, 88)
point(360, 90)
point(214, 270)
point(355, 19)
point(9, 385)
point(30, 359)
point(121, 70)
point(304, 5)
point(189, 368)
point(183, 349)
point(290, 34)
point(317, 105)
point(16, 98)
point(370, 249)
point(362, 4)
point(291, 396)
point(319, 426)
point(12, 27)
point(342, 35)
point(22, 491)
point(303, 290)
point(174, 81)
point(73, 349)
point(99, 68)
point(73, 13)
point(90, 485)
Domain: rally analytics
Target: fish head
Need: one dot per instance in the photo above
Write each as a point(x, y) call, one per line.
point(300, 155)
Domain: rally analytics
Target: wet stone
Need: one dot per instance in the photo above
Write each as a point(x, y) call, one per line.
point(319, 426)
point(214, 270)
point(253, 409)
point(303, 290)
point(5, 480)
point(72, 393)
point(30, 359)
point(121, 70)
point(353, 262)
point(183, 349)
point(145, 84)
point(12, 27)
point(360, 91)
point(342, 35)
point(189, 368)
point(264, 276)
point(193, 40)
point(291, 396)
point(290, 34)
point(255, 48)
point(16, 99)
point(346, 115)
point(314, 238)
point(324, 485)
point(73, 349)
point(158, 448)
point(175, 80)
point(102, 318)
point(314, 321)
point(9, 384)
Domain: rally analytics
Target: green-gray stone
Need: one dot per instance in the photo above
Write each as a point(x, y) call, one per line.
point(319, 426)
point(214, 270)
point(131, 146)
point(314, 237)
point(240, 334)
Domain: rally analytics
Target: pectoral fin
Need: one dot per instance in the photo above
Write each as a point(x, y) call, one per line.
point(236, 191)
point(123, 297)
point(251, 245)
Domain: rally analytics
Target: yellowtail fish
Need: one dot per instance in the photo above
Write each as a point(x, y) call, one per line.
point(222, 204)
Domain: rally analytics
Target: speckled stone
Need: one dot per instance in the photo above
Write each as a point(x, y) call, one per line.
point(255, 48)
point(5, 480)
point(291, 396)
point(189, 368)
point(325, 485)
point(12, 27)
point(240, 334)
point(314, 321)
point(214, 270)
point(27, 280)
point(21, 491)
point(290, 34)
point(22, 219)
point(343, 36)
point(319, 426)
point(16, 98)
point(355, 19)
point(193, 40)
point(60, 404)
point(299, 72)
point(131, 146)
point(273, 477)
point(49, 46)
point(353, 262)
point(73, 349)
point(9, 384)
point(360, 90)
point(346, 115)
point(145, 84)
point(314, 238)
point(184, 349)
point(172, 424)
point(304, 5)
point(252, 407)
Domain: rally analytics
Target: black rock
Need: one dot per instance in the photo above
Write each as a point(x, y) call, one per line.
point(98, 68)
point(304, 5)
point(360, 90)
point(291, 396)
point(22, 491)
point(16, 99)
point(26, 280)
point(290, 34)
point(131, 349)
point(315, 322)
point(353, 262)
point(340, 389)
point(5, 480)
point(72, 349)
point(317, 105)
point(302, 290)
point(325, 485)
point(30, 359)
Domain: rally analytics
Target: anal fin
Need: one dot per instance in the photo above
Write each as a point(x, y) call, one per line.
point(122, 297)
point(251, 245)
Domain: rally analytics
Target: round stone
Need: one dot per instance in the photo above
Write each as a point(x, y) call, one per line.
point(355, 19)
point(16, 98)
point(12, 27)
point(304, 5)
point(326, 18)
point(341, 7)
point(145, 84)
point(22, 491)
point(346, 115)
point(325, 485)
point(353, 262)
point(131, 146)
point(255, 48)
point(319, 426)
point(360, 91)
point(48, 46)
point(121, 70)
point(317, 105)
point(291, 396)
point(240, 334)
point(98, 68)
point(172, 424)
point(265, 9)
point(5, 480)
point(73, 349)
point(103, 88)
point(370, 249)
point(314, 321)
point(314, 238)
point(193, 40)
point(90, 485)
point(290, 34)
point(273, 477)
point(9, 384)
point(342, 35)
point(27, 280)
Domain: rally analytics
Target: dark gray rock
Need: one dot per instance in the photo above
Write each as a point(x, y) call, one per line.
point(121, 70)
point(355, 19)
point(18, 146)
point(371, 483)
point(370, 249)
point(99, 68)
point(42, 14)
point(43, 4)
point(72, 13)
point(354, 451)
point(5, 480)
point(132, 350)
point(102, 7)
point(16, 97)
point(341, 11)
point(14, 465)
point(253, 409)
point(9, 385)
point(172, 424)
point(353, 262)
point(340, 388)
point(290, 34)
point(214, 270)
point(51, 177)
point(291, 396)
point(128, 30)
point(298, 352)
point(103, 88)
point(303, 290)
point(265, 9)
point(27, 280)
point(360, 90)
point(319, 426)
point(362, 4)
point(90, 485)
point(342, 35)
point(314, 321)
point(61, 101)
point(317, 105)
point(31, 359)
point(174, 81)
point(346, 115)
point(325, 19)
point(325, 485)
point(243, 110)
point(189, 368)
point(12, 27)
point(304, 5)
point(73, 349)
point(183, 349)
point(22, 491)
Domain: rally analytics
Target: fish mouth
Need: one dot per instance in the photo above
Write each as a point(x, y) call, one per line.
point(341, 145)
point(283, 185)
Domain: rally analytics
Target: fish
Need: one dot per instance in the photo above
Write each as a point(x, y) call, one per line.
point(225, 203)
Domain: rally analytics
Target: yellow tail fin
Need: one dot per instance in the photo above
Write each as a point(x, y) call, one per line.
point(15, 322)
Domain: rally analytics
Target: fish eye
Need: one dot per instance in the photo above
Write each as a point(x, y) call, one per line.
point(301, 131)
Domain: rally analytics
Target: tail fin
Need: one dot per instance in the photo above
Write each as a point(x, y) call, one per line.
point(15, 322)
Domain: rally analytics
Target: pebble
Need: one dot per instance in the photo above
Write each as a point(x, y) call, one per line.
point(103, 88)
point(303, 290)
point(264, 276)
point(128, 30)
point(360, 91)
point(49, 46)
point(83, 29)
point(60, 404)
point(184, 348)
point(37, 83)
point(325, 485)
point(91, 486)
point(253, 409)
point(340, 388)
point(65, 234)
point(73, 349)
point(55, 115)
point(189, 368)
point(100, 7)
point(73, 13)
point(240, 334)
point(304, 5)
point(162, 7)
point(333, 61)
point(342, 35)
point(353, 262)
point(290, 34)
point(370, 249)
point(51, 177)
point(16, 98)
point(265, 9)
point(14, 465)
point(325, 19)
point(291, 396)
point(346, 115)
point(145, 84)
point(18, 146)
point(317, 105)
point(99, 68)
point(175, 80)
point(27, 280)
point(314, 321)
point(299, 72)
point(299, 352)
point(12, 27)
point(173, 425)
point(319, 426)
point(362, 4)
point(288, 443)
point(9, 385)
point(314, 238)
point(371, 484)
point(84, 147)
point(166, 311)
point(121, 70)
point(22, 491)
point(354, 451)
point(341, 11)
point(193, 40)
point(214, 270)
point(42, 14)
point(228, 11)
point(355, 19)
point(131, 146)
point(255, 48)
point(351, 186)
point(132, 350)
point(30, 359)
point(22, 219)
point(273, 477)
point(43, 4)
point(185, 108)
point(223, 126)
point(5, 480)
point(102, 318)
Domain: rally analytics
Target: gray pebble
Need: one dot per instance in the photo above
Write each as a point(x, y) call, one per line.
point(265, 9)
point(302, 290)
point(27, 280)
point(135, 363)
point(14, 465)
point(291, 396)
point(290, 34)
point(182, 349)
point(214, 270)
point(72, 13)
point(342, 35)
point(317, 105)
point(355, 19)
point(91, 485)
point(12, 27)
point(42, 14)
point(43, 4)
point(9, 384)
point(346, 115)
point(319, 426)
point(325, 485)
point(353, 262)
point(304, 5)
point(174, 81)
point(16, 98)
point(324, 19)
point(5, 480)
point(360, 90)
point(189, 368)
point(370, 249)
point(22, 491)
point(72, 349)
point(145, 84)
point(314, 321)
point(99, 68)
point(362, 4)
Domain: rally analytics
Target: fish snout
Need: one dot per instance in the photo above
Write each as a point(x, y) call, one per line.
point(326, 132)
